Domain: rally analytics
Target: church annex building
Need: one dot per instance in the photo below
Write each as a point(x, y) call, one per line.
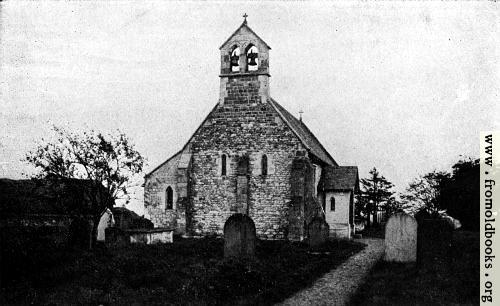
point(251, 156)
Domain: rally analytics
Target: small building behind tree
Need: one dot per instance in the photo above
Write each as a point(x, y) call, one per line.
point(59, 208)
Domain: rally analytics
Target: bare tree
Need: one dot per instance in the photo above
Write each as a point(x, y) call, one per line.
point(107, 164)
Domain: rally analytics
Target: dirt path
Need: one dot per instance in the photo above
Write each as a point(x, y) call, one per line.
point(337, 286)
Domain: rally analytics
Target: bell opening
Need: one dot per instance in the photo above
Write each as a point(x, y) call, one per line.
point(252, 58)
point(235, 59)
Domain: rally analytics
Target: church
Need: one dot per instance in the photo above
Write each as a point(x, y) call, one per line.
point(251, 156)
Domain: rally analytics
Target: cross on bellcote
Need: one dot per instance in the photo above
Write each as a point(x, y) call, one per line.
point(245, 16)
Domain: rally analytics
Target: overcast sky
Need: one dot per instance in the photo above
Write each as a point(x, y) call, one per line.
point(404, 87)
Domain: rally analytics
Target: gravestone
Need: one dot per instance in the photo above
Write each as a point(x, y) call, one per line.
point(401, 238)
point(318, 231)
point(434, 243)
point(239, 237)
point(422, 215)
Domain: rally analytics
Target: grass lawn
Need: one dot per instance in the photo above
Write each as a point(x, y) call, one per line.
point(400, 284)
point(188, 272)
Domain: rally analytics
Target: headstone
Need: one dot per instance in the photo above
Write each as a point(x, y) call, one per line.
point(239, 237)
point(422, 215)
point(434, 243)
point(401, 238)
point(318, 231)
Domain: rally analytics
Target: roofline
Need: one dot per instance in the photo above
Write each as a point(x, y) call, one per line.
point(282, 117)
point(289, 125)
point(355, 188)
point(321, 145)
point(246, 25)
point(300, 138)
point(160, 165)
point(339, 189)
point(184, 147)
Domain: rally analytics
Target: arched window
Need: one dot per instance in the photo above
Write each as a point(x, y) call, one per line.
point(169, 198)
point(234, 59)
point(263, 164)
point(332, 204)
point(223, 164)
point(252, 58)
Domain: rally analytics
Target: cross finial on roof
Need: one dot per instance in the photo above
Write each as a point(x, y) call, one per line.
point(300, 114)
point(245, 16)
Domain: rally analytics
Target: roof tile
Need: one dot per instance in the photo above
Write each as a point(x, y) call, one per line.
point(340, 178)
point(304, 134)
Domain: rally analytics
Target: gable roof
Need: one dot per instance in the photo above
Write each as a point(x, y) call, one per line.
point(244, 25)
point(298, 127)
point(340, 178)
point(169, 159)
point(304, 134)
point(184, 147)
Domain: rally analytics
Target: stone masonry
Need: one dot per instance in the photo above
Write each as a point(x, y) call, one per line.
point(238, 130)
point(219, 173)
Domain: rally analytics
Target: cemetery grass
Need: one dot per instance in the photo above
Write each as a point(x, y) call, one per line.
point(401, 284)
point(188, 272)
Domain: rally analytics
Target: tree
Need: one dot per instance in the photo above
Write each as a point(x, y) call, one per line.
point(106, 163)
point(392, 206)
point(460, 193)
point(375, 193)
point(424, 192)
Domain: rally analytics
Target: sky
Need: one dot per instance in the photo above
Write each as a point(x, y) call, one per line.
point(405, 87)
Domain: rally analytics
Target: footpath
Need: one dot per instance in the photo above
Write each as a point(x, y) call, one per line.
point(337, 286)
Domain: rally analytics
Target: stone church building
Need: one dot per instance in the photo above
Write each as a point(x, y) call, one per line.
point(251, 156)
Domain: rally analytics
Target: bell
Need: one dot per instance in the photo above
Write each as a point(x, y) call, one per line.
point(252, 62)
point(235, 60)
point(252, 56)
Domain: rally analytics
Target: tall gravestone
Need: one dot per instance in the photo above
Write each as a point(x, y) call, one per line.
point(239, 237)
point(434, 243)
point(318, 231)
point(420, 216)
point(401, 238)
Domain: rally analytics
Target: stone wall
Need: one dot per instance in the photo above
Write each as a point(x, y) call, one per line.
point(242, 126)
point(237, 130)
point(156, 185)
point(295, 216)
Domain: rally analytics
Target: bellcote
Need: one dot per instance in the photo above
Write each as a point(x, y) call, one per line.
point(244, 75)
point(244, 53)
